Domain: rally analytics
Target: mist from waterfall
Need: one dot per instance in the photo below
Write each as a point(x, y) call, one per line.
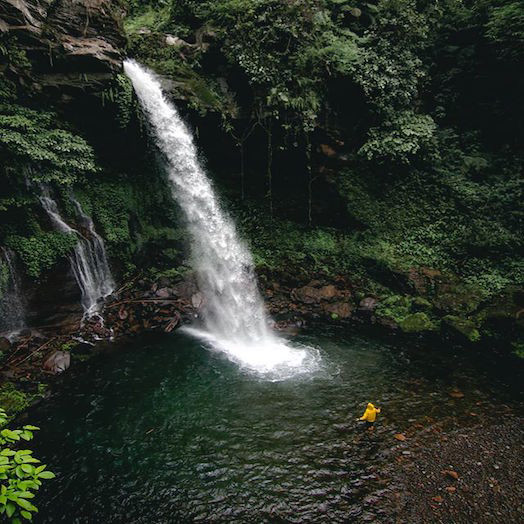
point(89, 259)
point(234, 317)
point(12, 307)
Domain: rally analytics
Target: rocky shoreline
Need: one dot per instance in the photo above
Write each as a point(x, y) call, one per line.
point(142, 305)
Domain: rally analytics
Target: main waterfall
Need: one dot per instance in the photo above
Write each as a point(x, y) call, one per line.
point(235, 320)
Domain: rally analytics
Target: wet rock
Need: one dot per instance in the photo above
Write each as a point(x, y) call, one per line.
point(123, 313)
point(84, 38)
point(387, 322)
point(164, 282)
point(163, 292)
point(368, 304)
point(172, 324)
point(450, 473)
point(423, 279)
point(57, 362)
point(456, 393)
point(340, 310)
point(463, 327)
point(310, 294)
point(185, 289)
point(5, 345)
point(197, 300)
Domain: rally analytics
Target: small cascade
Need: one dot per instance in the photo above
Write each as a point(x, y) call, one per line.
point(12, 307)
point(235, 320)
point(88, 261)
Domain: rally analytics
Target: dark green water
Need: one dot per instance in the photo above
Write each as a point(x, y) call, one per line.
point(163, 430)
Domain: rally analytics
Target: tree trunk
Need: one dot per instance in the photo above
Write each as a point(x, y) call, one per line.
point(269, 169)
point(309, 182)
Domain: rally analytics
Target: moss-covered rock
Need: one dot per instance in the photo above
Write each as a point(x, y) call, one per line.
point(422, 304)
point(395, 307)
point(462, 326)
point(13, 400)
point(416, 323)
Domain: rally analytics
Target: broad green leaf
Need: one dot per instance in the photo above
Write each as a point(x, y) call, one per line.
point(26, 495)
point(23, 503)
point(10, 509)
point(28, 468)
point(46, 475)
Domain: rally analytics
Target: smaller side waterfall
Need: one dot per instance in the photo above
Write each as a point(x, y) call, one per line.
point(12, 308)
point(89, 260)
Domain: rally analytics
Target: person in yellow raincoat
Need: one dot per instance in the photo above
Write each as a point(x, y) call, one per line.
point(370, 415)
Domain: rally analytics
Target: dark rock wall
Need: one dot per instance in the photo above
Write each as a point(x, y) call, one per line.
point(71, 44)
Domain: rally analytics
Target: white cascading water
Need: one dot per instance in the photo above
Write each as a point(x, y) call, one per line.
point(12, 309)
point(88, 261)
point(235, 320)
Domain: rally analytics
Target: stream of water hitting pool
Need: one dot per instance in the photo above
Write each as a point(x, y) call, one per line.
point(89, 261)
point(234, 317)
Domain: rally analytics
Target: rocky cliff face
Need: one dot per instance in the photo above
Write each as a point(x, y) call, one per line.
point(71, 44)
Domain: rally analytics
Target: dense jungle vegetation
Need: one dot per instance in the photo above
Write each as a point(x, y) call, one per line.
point(367, 139)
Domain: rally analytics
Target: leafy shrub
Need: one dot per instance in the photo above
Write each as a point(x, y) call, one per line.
point(30, 139)
point(41, 252)
point(21, 474)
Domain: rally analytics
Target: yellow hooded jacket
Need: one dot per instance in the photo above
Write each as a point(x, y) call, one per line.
point(370, 414)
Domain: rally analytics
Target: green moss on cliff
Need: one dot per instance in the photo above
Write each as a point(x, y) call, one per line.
point(462, 326)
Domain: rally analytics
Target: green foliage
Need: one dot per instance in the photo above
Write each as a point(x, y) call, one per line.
point(390, 69)
point(401, 139)
point(21, 474)
point(394, 307)
point(31, 141)
point(41, 252)
point(120, 93)
point(505, 28)
point(4, 277)
point(13, 400)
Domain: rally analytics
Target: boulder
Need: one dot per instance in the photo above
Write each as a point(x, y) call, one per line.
point(368, 304)
point(416, 322)
point(57, 362)
point(311, 295)
point(185, 289)
point(339, 310)
point(197, 300)
point(163, 292)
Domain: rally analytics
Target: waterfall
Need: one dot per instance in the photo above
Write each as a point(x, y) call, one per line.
point(88, 261)
point(12, 310)
point(234, 316)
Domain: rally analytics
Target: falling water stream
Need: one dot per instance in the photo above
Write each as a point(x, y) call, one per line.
point(235, 320)
point(12, 310)
point(88, 261)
